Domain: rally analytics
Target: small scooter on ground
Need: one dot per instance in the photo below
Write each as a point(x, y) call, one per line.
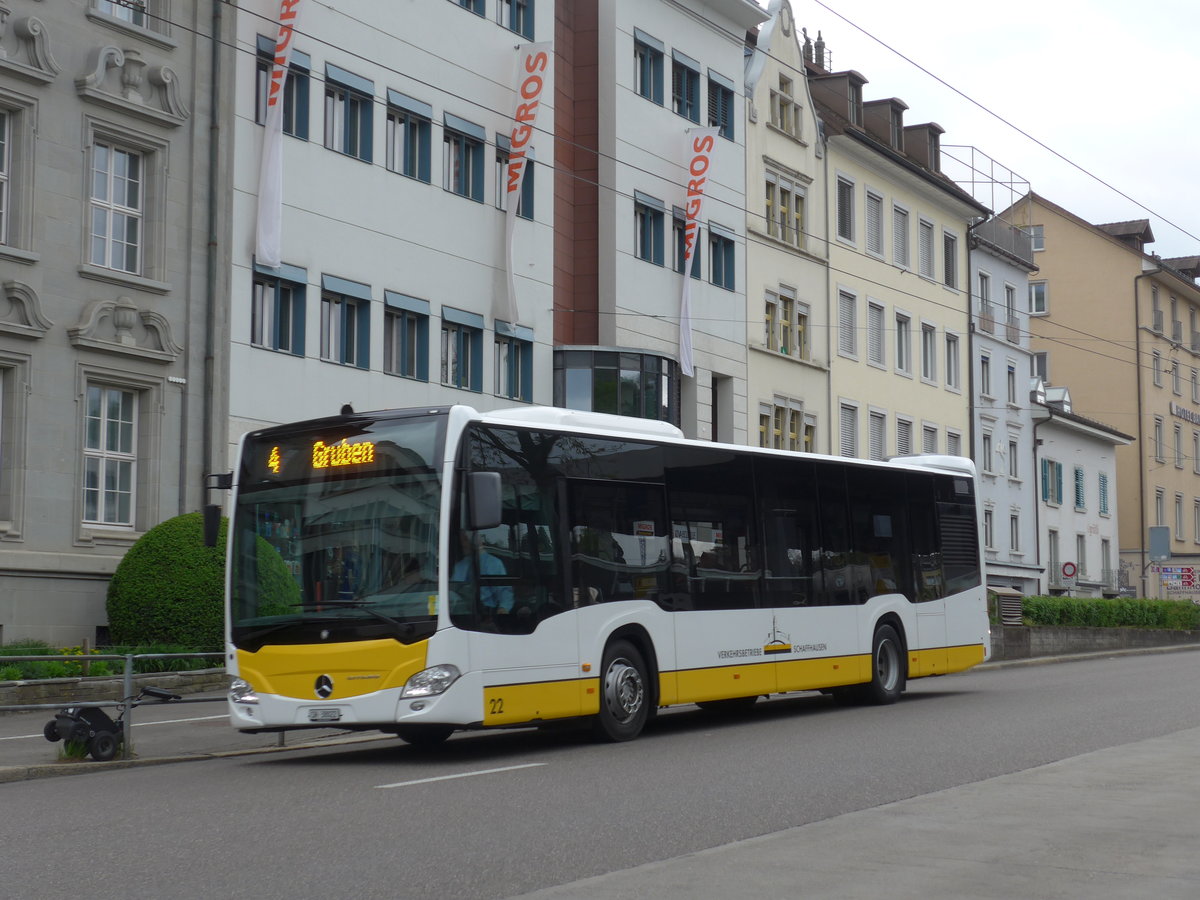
point(100, 734)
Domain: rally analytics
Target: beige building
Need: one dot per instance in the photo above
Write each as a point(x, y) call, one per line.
point(786, 247)
point(899, 279)
point(1121, 328)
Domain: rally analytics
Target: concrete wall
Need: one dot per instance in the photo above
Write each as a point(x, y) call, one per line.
point(1021, 642)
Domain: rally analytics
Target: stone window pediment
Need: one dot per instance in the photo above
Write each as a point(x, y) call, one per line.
point(21, 312)
point(119, 326)
point(123, 80)
point(32, 60)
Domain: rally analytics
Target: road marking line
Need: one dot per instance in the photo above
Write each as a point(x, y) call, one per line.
point(460, 775)
point(18, 737)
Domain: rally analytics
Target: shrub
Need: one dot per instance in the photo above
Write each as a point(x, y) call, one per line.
point(168, 588)
point(1119, 612)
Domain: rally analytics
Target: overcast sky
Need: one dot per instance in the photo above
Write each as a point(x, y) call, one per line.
point(1111, 86)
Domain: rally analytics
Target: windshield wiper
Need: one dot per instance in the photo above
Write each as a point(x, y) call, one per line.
point(357, 604)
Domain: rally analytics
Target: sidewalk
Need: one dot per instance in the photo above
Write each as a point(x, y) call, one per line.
point(162, 733)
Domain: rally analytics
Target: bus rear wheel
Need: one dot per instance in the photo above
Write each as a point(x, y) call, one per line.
point(624, 694)
point(887, 668)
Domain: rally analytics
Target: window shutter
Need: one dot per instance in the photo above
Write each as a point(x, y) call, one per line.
point(1058, 483)
point(849, 442)
point(875, 334)
point(847, 342)
point(903, 438)
point(1046, 480)
point(874, 224)
point(876, 436)
point(845, 210)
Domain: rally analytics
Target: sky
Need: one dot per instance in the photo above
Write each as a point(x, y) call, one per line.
point(1111, 88)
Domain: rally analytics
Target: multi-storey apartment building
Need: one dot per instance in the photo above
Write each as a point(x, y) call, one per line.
point(786, 248)
point(900, 293)
point(391, 288)
point(1121, 328)
point(634, 79)
point(1077, 503)
point(107, 297)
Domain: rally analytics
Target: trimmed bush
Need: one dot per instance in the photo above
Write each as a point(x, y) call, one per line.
point(1119, 612)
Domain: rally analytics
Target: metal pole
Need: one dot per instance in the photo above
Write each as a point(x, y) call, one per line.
point(127, 718)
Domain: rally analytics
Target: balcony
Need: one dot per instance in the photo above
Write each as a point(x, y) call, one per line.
point(987, 319)
point(1012, 329)
point(1158, 321)
point(1177, 332)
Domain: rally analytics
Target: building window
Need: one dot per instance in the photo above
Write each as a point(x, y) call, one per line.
point(1041, 365)
point(874, 224)
point(1080, 490)
point(1014, 533)
point(462, 349)
point(475, 6)
point(847, 324)
point(1158, 439)
point(953, 443)
point(277, 314)
point(925, 249)
point(1179, 517)
point(876, 354)
point(117, 208)
point(985, 294)
point(903, 344)
point(406, 336)
point(1081, 556)
point(109, 455)
point(1156, 368)
point(514, 362)
point(928, 353)
point(877, 437)
point(720, 104)
point(929, 439)
point(1037, 298)
point(952, 363)
point(950, 259)
point(525, 200)
point(786, 324)
point(985, 375)
point(345, 328)
point(685, 87)
point(516, 15)
point(1052, 482)
point(462, 158)
point(721, 256)
point(781, 424)
point(648, 228)
point(679, 239)
point(904, 431)
point(785, 209)
point(648, 67)
point(349, 108)
point(845, 209)
point(1195, 386)
point(1012, 384)
point(133, 12)
point(1178, 446)
point(848, 442)
point(989, 529)
point(1160, 507)
point(1014, 460)
point(900, 237)
point(626, 383)
point(1176, 381)
point(1196, 452)
point(986, 452)
point(409, 136)
point(1038, 238)
point(785, 111)
point(6, 154)
point(1102, 486)
point(295, 88)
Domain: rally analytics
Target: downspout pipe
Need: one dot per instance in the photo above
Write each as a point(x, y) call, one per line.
point(210, 298)
point(1137, 332)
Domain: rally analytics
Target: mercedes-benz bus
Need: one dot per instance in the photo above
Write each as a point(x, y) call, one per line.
point(421, 571)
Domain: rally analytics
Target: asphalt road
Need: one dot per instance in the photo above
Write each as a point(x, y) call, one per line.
point(499, 815)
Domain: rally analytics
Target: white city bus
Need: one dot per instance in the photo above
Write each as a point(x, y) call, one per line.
point(422, 571)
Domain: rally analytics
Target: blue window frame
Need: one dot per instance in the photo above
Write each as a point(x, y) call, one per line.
point(648, 66)
point(516, 15)
point(514, 362)
point(678, 231)
point(277, 309)
point(525, 201)
point(475, 6)
point(295, 88)
point(720, 103)
point(462, 157)
point(648, 224)
point(462, 349)
point(349, 108)
point(685, 86)
point(721, 252)
point(409, 127)
point(345, 322)
point(406, 336)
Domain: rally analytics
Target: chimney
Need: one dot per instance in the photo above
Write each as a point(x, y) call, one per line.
point(808, 49)
point(819, 50)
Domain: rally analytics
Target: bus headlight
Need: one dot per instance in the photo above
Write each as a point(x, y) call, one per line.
point(242, 692)
point(433, 680)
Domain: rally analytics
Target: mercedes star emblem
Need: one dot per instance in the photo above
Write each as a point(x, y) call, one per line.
point(324, 686)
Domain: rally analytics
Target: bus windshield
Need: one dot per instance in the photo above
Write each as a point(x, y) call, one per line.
point(335, 532)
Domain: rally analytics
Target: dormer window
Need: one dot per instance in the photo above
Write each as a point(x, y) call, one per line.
point(935, 151)
point(855, 98)
point(897, 122)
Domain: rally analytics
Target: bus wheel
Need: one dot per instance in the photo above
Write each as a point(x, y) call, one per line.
point(424, 735)
point(624, 694)
point(887, 668)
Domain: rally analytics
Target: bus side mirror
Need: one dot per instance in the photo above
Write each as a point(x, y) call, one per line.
point(483, 500)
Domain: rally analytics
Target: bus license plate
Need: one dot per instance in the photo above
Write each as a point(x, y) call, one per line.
point(324, 715)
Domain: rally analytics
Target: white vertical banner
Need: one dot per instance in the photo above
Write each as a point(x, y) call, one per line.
point(533, 64)
point(700, 145)
point(267, 240)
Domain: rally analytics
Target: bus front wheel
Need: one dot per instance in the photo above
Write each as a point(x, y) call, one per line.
point(624, 694)
point(887, 668)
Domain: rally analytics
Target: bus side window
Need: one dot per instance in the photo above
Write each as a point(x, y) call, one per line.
point(618, 540)
point(787, 499)
point(926, 559)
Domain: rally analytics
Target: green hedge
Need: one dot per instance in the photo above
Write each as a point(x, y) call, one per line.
point(1117, 612)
